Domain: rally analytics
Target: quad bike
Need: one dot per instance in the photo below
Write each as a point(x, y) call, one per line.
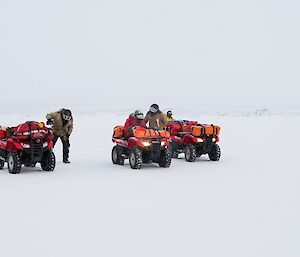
point(3, 138)
point(194, 139)
point(144, 146)
point(29, 143)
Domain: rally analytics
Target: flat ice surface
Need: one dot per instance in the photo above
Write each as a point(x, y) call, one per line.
point(247, 204)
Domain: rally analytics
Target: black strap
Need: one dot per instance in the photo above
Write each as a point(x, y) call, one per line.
point(30, 128)
point(204, 130)
point(159, 134)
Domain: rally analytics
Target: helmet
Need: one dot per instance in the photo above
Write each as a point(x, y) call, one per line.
point(138, 114)
point(154, 108)
point(169, 114)
point(66, 114)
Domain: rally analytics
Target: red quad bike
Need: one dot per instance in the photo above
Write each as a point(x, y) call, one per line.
point(145, 146)
point(194, 139)
point(28, 144)
point(3, 138)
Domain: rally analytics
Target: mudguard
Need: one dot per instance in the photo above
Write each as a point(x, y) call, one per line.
point(50, 145)
point(189, 139)
point(120, 142)
point(12, 145)
point(3, 145)
point(134, 142)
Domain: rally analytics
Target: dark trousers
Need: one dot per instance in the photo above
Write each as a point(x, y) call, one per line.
point(66, 146)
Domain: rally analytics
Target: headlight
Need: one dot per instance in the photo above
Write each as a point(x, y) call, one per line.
point(25, 145)
point(199, 140)
point(214, 140)
point(146, 144)
point(45, 144)
point(163, 143)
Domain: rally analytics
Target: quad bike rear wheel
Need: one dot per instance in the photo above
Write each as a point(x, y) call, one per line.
point(215, 153)
point(2, 162)
point(190, 153)
point(116, 155)
point(174, 151)
point(48, 161)
point(14, 163)
point(135, 159)
point(175, 155)
point(165, 159)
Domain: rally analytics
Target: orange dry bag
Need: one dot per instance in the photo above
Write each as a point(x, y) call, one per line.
point(118, 132)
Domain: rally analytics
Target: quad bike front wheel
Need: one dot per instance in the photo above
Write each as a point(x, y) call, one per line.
point(14, 163)
point(116, 155)
point(190, 153)
point(48, 161)
point(215, 153)
point(135, 159)
point(165, 159)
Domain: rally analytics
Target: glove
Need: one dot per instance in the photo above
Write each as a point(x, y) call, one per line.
point(49, 122)
point(130, 132)
point(66, 137)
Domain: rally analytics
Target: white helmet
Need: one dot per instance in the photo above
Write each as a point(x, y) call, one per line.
point(66, 114)
point(139, 115)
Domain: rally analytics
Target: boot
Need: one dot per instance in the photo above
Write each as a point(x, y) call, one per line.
point(66, 161)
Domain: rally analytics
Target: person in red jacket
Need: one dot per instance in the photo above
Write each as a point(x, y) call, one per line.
point(135, 119)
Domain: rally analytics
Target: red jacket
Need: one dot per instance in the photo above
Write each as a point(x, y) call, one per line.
point(132, 122)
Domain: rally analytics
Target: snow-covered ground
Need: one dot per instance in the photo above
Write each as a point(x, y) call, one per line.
point(247, 204)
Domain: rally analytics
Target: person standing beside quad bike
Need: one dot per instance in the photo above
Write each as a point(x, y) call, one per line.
point(155, 118)
point(62, 122)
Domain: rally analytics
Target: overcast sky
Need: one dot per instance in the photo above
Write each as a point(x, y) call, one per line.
point(212, 53)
